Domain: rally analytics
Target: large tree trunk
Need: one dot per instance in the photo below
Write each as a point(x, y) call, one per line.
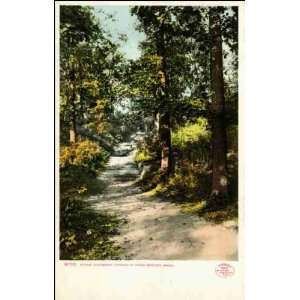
point(156, 123)
point(73, 131)
point(219, 189)
point(167, 158)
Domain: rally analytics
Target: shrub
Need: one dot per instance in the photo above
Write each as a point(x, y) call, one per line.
point(188, 183)
point(84, 232)
point(192, 140)
point(142, 154)
point(79, 163)
point(191, 133)
point(85, 154)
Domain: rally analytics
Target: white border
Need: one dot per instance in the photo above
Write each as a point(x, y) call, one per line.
point(200, 275)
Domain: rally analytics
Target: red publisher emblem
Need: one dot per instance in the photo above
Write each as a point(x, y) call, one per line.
point(224, 270)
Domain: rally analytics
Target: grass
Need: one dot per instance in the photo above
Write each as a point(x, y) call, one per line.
point(194, 207)
point(217, 216)
point(229, 213)
point(86, 233)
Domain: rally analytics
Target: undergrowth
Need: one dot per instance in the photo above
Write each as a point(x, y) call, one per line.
point(84, 232)
point(190, 184)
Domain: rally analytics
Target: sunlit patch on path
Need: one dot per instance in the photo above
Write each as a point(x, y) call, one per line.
point(158, 229)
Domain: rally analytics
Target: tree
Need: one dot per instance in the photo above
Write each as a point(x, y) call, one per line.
point(219, 190)
point(76, 26)
point(207, 31)
point(91, 68)
point(157, 23)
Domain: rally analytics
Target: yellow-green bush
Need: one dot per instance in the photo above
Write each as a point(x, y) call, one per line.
point(191, 133)
point(85, 154)
point(142, 154)
point(192, 141)
point(79, 163)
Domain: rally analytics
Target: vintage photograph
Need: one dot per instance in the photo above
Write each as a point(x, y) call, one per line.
point(148, 132)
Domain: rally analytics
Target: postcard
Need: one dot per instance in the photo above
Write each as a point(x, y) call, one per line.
point(149, 196)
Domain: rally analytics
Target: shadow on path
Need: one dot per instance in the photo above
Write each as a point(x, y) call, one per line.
point(158, 229)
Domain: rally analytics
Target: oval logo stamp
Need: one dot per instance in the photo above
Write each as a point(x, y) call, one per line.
point(224, 270)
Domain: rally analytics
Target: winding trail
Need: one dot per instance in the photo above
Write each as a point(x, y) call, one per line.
point(157, 229)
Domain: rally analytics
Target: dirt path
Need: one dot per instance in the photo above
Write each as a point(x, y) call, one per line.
point(158, 229)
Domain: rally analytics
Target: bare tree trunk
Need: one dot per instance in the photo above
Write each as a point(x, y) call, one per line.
point(73, 131)
point(167, 158)
point(219, 190)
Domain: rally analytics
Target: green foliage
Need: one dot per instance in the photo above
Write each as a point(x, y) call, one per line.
point(79, 163)
point(148, 149)
point(85, 233)
point(180, 36)
point(91, 69)
point(191, 133)
point(215, 215)
point(143, 155)
point(85, 153)
point(191, 181)
point(220, 215)
point(172, 74)
point(77, 24)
